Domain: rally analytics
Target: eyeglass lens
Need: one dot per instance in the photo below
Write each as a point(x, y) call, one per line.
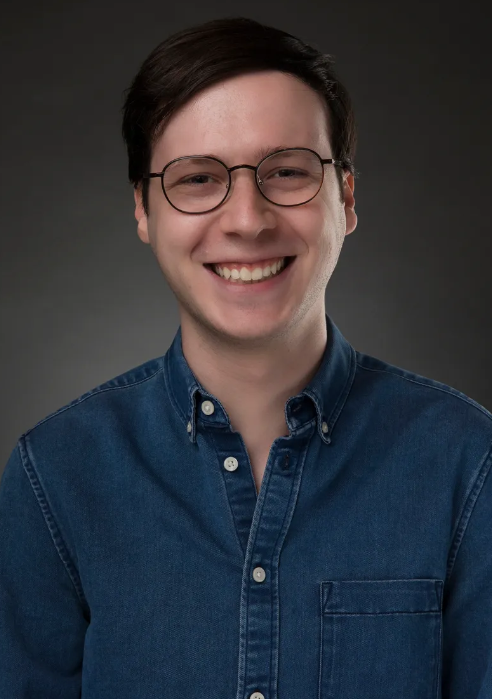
point(196, 185)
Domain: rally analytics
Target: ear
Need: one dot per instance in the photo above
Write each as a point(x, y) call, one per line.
point(348, 195)
point(142, 229)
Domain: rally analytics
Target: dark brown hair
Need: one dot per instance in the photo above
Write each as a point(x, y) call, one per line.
point(203, 55)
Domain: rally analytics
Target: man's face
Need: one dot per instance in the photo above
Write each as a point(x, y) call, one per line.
point(233, 121)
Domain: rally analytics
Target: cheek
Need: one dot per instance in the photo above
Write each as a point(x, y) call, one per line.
point(330, 234)
point(318, 225)
point(329, 197)
point(333, 213)
point(172, 236)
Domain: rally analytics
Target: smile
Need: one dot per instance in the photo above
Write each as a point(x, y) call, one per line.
point(250, 274)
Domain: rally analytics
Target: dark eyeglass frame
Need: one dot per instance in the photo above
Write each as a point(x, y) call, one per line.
point(323, 162)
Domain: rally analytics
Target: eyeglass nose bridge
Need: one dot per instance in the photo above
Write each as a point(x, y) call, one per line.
point(249, 167)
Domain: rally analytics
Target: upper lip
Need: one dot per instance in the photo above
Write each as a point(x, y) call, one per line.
point(246, 261)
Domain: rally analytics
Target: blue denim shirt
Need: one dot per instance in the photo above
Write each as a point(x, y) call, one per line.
point(137, 560)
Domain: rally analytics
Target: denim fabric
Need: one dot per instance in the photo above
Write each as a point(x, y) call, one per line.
point(137, 560)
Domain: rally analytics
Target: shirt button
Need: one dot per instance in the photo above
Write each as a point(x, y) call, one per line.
point(207, 407)
point(324, 428)
point(257, 695)
point(259, 575)
point(231, 463)
point(188, 427)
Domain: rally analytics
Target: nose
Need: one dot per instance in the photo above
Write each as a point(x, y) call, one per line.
point(246, 210)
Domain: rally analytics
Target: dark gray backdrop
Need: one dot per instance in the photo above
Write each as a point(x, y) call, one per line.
point(82, 299)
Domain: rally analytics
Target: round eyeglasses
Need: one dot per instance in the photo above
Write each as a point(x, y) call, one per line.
point(196, 184)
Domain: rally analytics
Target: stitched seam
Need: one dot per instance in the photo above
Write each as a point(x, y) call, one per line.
point(344, 394)
point(463, 398)
point(467, 511)
point(51, 523)
point(396, 613)
point(172, 396)
point(86, 396)
point(225, 495)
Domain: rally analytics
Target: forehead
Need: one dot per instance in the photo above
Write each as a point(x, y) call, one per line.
point(242, 117)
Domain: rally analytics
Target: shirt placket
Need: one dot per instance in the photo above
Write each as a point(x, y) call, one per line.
point(262, 523)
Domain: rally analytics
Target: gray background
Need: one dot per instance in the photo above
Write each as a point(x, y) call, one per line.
point(82, 299)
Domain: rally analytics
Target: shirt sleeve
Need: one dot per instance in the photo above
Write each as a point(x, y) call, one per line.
point(467, 604)
point(42, 619)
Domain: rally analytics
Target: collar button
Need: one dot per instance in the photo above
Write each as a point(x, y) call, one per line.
point(207, 407)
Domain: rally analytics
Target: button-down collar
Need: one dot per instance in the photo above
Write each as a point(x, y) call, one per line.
point(323, 398)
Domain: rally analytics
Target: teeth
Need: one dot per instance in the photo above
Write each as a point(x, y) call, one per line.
point(246, 275)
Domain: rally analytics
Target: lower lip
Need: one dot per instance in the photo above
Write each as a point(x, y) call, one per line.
point(258, 287)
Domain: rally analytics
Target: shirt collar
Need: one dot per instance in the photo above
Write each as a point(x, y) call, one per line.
point(322, 399)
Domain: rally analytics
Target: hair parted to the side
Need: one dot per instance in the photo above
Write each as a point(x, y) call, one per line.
point(203, 55)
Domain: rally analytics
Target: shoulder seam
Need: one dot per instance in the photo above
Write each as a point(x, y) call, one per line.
point(463, 397)
point(85, 396)
point(51, 524)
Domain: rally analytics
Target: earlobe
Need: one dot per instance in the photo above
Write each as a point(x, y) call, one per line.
point(142, 229)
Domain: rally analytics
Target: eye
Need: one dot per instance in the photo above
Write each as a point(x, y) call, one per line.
point(287, 173)
point(189, 180)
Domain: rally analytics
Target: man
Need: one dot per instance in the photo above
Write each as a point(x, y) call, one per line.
point(263, 512)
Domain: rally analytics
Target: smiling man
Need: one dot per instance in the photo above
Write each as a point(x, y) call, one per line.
point(263, 512)
point(250, 272)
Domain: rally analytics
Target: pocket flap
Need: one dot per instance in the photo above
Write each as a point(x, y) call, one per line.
point(381, 596)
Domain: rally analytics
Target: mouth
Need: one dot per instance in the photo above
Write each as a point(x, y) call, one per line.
point(274, 284)
point(287, 263)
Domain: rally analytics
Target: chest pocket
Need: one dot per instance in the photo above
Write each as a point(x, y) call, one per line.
point(380, 639)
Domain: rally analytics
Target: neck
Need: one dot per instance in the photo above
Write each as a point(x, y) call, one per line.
point(254, 382)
